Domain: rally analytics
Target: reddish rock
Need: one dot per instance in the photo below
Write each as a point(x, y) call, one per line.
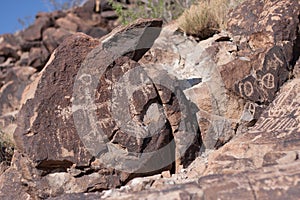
point(85, 11)
point(27, 45)
point(11, 185)
point(11, 92)
point(296, 71)
point(9, 52)
point(53, 37)
point(48, 117)
point(266, 52)
point(59, 131)
point(277, 182)
point(82, 25)
point(66, 24)
point(96, 117)
point(278, 21)
point(9, 46)
point(273, 140)
point(38, 57)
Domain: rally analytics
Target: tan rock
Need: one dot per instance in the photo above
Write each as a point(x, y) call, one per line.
point(66, 24)
point(166, 174)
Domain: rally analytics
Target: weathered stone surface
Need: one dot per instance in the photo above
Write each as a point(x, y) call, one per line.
point(9, 52)
point(16, 80)
point(260, 164)
point(9, 46)
point(148, 124)
point(53, 37)
point(146, 117)
point(266, 55)
point(278, 21)
point(66, 24)
point(8, 125)
point(50, 134)
point(109, 14)
point(273, 140)
point(27, 45)
point(277, 182)
point(38, 57)
point(48, 114)
point(238, 76)
point(11, 185)
point(82, 25)
point(296, 71)
point(84, 11)
point(196, 66)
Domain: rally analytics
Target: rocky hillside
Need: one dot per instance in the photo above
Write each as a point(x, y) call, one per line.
point(25, 53)
point(90, 111)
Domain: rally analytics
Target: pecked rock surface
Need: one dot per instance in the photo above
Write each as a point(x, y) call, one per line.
point(47, 108)
point(137, 116)
point(234, 75)
point(263, 163)
point(27, 51)
point(111, 121)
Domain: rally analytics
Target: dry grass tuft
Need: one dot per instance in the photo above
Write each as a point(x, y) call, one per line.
point(206, 17)
point(6, 148)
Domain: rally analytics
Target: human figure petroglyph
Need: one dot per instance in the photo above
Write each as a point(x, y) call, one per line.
point(274, 59)
point(273, 63)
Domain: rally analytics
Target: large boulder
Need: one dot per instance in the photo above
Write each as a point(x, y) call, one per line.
point(94, 118)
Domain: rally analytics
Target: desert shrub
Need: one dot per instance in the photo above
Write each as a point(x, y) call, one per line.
point(206, 17)
point(164, 9)
point(6, 149)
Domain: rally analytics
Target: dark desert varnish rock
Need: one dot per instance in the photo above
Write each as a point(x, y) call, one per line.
point(136, 114)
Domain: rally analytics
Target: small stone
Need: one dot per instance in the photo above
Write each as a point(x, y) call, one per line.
point(166, 174)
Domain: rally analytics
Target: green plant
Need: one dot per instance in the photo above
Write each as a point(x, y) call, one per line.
point(6, 149)
point(206, 17)
point(165, 9)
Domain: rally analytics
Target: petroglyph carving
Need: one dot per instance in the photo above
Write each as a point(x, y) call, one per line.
point(282, 107)
point(86, 79)
point(268, 81)
point(246, 88)
point(250, 107)
point(284, 113)
point(271, 125)
point(273, 62)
